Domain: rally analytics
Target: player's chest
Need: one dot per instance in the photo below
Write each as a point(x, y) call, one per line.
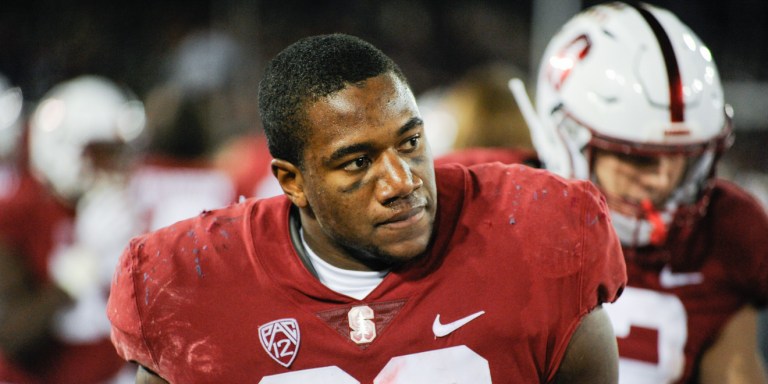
point(436, 329)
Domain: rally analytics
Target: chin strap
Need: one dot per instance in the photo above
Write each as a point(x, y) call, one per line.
point(659, 228)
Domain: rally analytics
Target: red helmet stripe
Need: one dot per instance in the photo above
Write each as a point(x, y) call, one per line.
point(676, 103)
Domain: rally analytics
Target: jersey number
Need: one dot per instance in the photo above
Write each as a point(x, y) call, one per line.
point(652, 332)
point(458, 365)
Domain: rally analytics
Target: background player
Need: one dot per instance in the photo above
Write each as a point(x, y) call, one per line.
point(630, 98)
point(61, 234)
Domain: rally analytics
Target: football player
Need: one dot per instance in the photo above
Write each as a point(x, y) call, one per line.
point(60, 237)
point(373, 266)
point(630, 98)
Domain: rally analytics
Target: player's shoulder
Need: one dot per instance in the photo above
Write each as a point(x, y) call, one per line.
point(500, 178)
point(729, 193)
point(734, 209)
point(216, 225)
point(208, 223)
point(496, 190)
point(738, 217)
point(733, 231)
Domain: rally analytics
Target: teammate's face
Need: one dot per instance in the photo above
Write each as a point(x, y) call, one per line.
point(636, 178)
point(368, 176)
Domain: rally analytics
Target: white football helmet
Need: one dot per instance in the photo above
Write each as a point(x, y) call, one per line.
point(73, 115)
point(632, 79)
point(11, 102)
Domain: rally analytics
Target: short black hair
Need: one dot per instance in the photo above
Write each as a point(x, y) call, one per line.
point(307, 70)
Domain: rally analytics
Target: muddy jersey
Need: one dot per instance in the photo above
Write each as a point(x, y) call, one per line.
point(519, 257)
point(678, 299)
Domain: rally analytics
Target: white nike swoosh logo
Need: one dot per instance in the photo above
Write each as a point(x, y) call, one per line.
point(668, 279)
point(441, 330)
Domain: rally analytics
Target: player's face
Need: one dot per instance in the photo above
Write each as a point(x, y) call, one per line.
point(368, 176)
point(636, 178)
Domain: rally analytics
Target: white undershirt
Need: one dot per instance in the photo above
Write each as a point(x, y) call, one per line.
point(357, 284)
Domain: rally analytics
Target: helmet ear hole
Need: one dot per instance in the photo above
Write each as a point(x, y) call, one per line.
point(80, 126)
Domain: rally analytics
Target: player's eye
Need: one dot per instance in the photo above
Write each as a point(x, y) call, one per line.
point(411, 143)
point(357, 164)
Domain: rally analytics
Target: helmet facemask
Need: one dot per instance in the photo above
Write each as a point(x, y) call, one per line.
point(644, 222)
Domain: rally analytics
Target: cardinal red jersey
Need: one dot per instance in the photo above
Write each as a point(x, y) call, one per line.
point(519, 257)
point(32, 222)
point(679, 298)
point(33, 225)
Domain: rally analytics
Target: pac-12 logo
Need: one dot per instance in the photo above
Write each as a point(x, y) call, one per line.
point(280, 338)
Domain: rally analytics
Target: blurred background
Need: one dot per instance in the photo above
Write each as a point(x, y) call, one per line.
point(226, 42)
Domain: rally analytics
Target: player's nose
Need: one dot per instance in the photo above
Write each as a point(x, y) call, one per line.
point(395, 178)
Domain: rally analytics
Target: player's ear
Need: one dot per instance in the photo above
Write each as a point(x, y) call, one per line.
point(291, 181)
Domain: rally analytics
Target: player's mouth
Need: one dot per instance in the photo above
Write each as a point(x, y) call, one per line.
point(404, 219)
point(404, 213)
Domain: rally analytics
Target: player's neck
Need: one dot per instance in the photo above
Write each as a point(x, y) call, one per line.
point(333, 253)
point(357, 284)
